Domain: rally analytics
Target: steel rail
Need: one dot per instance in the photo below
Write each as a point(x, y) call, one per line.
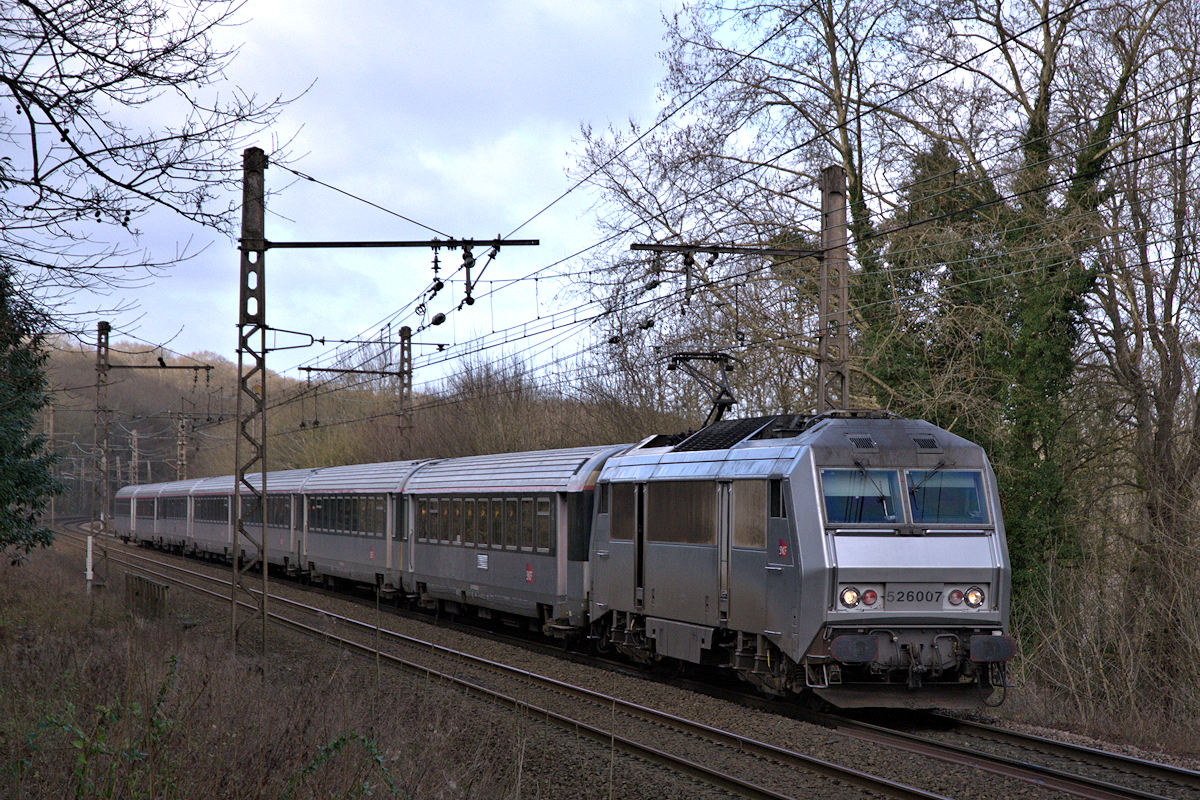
point(1048, 777)
point(1146, 768)
point(743, 744)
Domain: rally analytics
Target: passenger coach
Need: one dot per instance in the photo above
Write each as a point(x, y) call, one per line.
point(507, 532)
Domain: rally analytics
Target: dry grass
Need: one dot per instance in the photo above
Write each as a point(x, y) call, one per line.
point(1088, 663)
point(94, 703)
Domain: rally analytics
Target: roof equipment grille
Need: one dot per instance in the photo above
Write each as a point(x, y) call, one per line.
point(722, 435)
point(862, 441)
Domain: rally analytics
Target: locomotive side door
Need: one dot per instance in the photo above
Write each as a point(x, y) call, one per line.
point(618, 548)
point(724, 546)
point(639, 547)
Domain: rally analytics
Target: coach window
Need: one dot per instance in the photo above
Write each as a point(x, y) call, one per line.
point(456, 521)
point(481, 520)
point(623, 512)
point(526, 523)
point(172, 507)
point(479, 537)
point(469, 522)
point(145, 509)
point(377, 515)
point(512, 526)
point(431, 520)
point(602, 498)
point(399, 520)
point(497, 522)
point(360, 515)
point(212, 509)
point(443, 531)
point(750, 514)
point(279, 511)
point(544, 526)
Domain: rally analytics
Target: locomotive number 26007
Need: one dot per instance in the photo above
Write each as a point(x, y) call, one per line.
point(908, 596)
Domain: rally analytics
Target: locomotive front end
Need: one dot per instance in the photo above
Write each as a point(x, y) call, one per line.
point(915, 601)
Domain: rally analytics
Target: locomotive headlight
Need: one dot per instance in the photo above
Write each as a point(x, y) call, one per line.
point(850, 597)
point(974, 597)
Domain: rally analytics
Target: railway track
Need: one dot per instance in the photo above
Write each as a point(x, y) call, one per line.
point(676, 743)
point(1059, 766)
point(1166, 780)
point(638, 730)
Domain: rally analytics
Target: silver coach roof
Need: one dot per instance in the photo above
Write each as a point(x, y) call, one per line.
point(384, 476)
point(284, 480)
point(219, 485)
point(540, 470)
point(144, 490)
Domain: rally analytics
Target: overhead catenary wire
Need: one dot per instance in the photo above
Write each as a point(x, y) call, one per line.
point(885, 232)
point(851, 120)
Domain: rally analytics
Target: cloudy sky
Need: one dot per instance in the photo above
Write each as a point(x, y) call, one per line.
point(463, 116)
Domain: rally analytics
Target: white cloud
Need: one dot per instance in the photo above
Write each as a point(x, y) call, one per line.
point(459, 115)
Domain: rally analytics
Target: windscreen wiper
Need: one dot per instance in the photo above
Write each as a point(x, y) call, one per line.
point(882, 496)
point(913, 491)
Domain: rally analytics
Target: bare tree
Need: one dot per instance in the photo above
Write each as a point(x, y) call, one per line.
point(114, 108)
point(1144, 343)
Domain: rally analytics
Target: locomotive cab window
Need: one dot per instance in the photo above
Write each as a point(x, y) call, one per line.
point(947, 496)
point(860, 495)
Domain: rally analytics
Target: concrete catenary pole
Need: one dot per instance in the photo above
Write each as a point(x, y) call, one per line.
point(833, 300)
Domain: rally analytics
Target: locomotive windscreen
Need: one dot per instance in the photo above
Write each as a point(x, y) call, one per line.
point(954, 496)
point(860, 495)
